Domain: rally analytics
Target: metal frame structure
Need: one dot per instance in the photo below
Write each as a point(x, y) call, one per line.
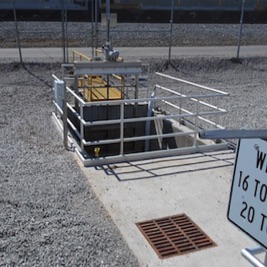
point(156, 100)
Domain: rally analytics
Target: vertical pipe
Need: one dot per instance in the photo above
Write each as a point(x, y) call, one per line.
point(196, 124)
point(96, 25)
point(180, 110)
point(76, 90)
point(148, 122)
point(108, 21)
point(170, 34)
point(66, 33)
point(63, 30)
point(240, 30)
point(93, 30)
point(136, 91)
point(82, 128)
point(17, 31)
point(122, 128)
point(64, 118)
point(107, 86)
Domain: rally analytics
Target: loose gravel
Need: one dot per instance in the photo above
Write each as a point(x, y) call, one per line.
point(41, 34)
point(49, 214)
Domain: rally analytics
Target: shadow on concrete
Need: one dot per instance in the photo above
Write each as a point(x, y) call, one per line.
point(157, 168)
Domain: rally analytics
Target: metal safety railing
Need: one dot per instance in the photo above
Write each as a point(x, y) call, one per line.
point(174, 111)
point(198, 100)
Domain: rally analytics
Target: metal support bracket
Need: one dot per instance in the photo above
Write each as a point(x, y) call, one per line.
point(233, 134)
point(249, 254)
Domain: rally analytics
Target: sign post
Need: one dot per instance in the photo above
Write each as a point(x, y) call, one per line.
point(248, 198)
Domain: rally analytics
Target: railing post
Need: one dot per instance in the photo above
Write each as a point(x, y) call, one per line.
point(82, 128)
point(148, 122)
point(122, 128)
point(65, 117)
point(180, 109)
point(196, 124)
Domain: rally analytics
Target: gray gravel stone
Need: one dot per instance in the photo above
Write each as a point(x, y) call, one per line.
point(127, 34)
point(49, 214)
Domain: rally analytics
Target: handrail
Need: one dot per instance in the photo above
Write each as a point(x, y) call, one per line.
point(198, 114)
point(193, 84)
point(141, 119)
point(82, 56)
point(194, 98)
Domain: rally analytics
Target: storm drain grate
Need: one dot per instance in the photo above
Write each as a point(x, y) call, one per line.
point(175, 235)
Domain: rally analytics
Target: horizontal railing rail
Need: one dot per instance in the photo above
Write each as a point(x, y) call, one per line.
point(174, 100)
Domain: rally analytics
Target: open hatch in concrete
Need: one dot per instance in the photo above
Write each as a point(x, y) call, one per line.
point(106, 109)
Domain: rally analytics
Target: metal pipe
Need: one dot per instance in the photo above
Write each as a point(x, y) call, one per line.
point(196, 126)
point(17, 31)
point(150, 155)
point(240, 30)
point(248, 254)
point(66, 33)
point(96, 25)
point(76, 91)
point(74, 112)
point(92, 26)
point(193, 99)
point(95, 103)
point(149, 114)
point(76, 96)
point(233, 134)
point(190, 83)
point(117, 121)
point(65, 123)
point(108, 20)
point(82, 130)
point(185, 110)
point(170, 34)
point(61, 128)
point(63, 30)
point(55, 77)
point(74, 129)
point(58, 107)
point(136, 138)
point(122, 129)
point(222, 111)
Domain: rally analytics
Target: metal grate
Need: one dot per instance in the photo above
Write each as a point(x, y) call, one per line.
point(175, 235)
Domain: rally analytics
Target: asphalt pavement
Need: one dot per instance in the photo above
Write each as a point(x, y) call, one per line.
point(56, 54)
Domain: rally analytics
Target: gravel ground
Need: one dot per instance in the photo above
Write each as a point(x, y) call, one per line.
point(125, 34)
point(49, 214)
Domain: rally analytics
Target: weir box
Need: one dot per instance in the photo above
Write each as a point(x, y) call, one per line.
point(104, 130)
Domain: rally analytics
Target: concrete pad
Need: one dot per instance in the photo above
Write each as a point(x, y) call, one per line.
point(197, 185)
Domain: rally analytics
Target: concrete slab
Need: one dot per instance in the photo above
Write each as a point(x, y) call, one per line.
point(197, 185)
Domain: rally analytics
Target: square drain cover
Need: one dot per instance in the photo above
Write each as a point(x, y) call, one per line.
point(175, 235)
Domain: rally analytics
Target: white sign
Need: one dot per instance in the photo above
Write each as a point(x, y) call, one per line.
point(248, 198)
